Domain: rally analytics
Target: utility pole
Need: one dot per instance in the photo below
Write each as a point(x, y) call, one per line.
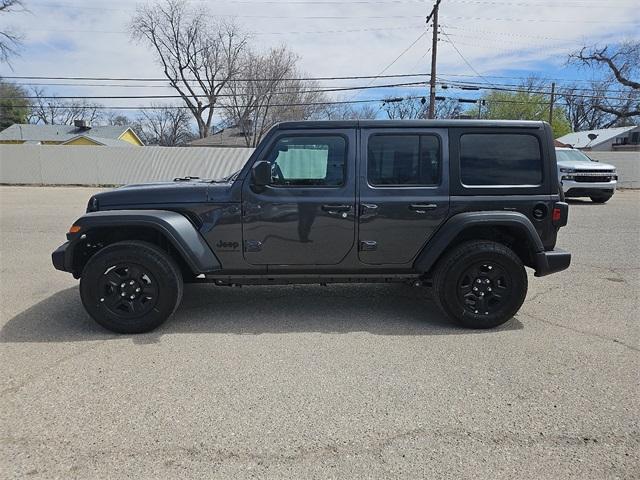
point(553, 99)
point(434, 55)
point(480, 103)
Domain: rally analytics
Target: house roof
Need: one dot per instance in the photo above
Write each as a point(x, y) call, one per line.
point(582, 140)
point(228, 137)
point(60, 133)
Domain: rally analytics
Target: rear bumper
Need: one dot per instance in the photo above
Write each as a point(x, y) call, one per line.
point(62, 259)
point(552, 261)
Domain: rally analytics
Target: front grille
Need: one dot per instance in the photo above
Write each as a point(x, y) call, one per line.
point(591, 178)
point(586, 176)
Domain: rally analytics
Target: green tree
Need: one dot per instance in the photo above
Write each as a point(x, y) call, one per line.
point(14, 106)
point(527, 104)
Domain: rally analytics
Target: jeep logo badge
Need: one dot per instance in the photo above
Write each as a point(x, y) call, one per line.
point(227, 245)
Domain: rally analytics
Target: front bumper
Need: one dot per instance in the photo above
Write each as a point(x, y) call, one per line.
point(62, 258)
point(552, 261)
point(580, 188)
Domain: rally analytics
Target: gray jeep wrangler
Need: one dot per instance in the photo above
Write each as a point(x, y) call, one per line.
point(459, 206)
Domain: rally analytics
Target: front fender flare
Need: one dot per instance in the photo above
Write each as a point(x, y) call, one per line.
point(436, 246)
point(181, 233)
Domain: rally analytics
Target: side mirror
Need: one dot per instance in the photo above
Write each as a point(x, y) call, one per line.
point(261, 174)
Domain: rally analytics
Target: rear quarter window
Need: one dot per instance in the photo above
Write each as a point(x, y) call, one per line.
point(500, 159)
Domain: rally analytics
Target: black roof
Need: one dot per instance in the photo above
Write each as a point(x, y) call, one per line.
point(409, 124)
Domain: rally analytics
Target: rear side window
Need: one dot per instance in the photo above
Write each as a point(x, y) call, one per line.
point(403, 160)
point(500, 159)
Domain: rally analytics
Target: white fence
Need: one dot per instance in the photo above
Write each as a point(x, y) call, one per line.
point(627, 163)
point(85, 165)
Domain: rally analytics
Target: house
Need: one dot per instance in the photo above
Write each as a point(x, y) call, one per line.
point(232, 137)
point(620, 139)
point(80, 133)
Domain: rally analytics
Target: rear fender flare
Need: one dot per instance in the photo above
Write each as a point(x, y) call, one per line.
point(438, 244)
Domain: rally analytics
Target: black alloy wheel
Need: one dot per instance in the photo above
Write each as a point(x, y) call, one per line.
point(483, 288)
point(128, 290)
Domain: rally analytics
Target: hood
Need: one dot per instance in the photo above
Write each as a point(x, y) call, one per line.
point(181, 191)
point(591, 166)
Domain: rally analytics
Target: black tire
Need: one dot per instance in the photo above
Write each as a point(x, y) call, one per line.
point(131, 287)
point(480, 267)
point(601, 198)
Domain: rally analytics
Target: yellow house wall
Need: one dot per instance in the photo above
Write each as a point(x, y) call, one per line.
point(11, 142)
point(128, 136)
point(82, 141)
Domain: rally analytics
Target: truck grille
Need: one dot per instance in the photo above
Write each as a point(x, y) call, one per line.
point(591, 176)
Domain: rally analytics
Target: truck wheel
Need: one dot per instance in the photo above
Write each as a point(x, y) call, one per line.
point(601, 199)
point(480, 284)
point(131, 287)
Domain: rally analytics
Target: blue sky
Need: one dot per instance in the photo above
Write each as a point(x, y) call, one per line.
point(511, 38)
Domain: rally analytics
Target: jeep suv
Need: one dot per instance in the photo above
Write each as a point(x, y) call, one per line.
point(580, 176)
point(461, 207)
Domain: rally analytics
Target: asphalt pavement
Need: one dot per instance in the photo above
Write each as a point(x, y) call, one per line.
point(356, 381)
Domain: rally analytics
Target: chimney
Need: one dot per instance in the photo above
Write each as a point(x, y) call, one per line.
point(81, 125)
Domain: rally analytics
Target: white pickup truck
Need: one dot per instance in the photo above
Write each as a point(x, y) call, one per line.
point(581, 176)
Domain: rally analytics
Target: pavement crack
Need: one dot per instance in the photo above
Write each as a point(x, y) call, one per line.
point(583, 332)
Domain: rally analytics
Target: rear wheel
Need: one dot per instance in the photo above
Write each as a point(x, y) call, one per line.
point(480, 284)
point(131, 287)
point(601, 198)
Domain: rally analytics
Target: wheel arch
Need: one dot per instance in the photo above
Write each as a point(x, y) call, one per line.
point(512, 229)
point(171, 231)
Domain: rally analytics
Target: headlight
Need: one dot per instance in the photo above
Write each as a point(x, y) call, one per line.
point(93, 206)
point(567, 170)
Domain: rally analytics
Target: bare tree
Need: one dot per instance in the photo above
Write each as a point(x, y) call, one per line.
point(347, 111)
point(622, 65)
point(405, 108)
point(117, 119)
point(448, 108)
point(581, 105)
point(164, 126)
point(9, 39)
point(50, 110)
point(198, 57)
point(270, 92)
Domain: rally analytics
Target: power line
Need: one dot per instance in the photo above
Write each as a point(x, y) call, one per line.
point(336, 102)
point(222, 95)
point(465, 60)
point(157, 79)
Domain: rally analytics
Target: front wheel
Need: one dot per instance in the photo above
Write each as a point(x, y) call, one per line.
point(131, 287)
point(480, 284)
point(601, 198)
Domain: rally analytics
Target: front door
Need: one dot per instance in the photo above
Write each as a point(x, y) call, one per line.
point(404, 195)
point(306, 215)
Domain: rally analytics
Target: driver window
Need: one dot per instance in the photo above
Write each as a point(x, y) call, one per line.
point(308, 161)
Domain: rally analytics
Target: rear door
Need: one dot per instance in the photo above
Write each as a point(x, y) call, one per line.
point(404, 192)
point(306, 215)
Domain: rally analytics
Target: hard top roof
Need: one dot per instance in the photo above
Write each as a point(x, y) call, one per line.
point(408, 124)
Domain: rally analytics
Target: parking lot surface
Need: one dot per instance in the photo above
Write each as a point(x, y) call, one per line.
point(321, 382)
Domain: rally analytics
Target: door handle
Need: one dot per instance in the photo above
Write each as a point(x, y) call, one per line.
point(336, 208)
point(422, 208)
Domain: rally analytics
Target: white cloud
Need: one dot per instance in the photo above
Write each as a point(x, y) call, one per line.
point(63, 39)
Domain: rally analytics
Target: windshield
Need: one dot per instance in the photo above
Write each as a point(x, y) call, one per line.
point(572, 156)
